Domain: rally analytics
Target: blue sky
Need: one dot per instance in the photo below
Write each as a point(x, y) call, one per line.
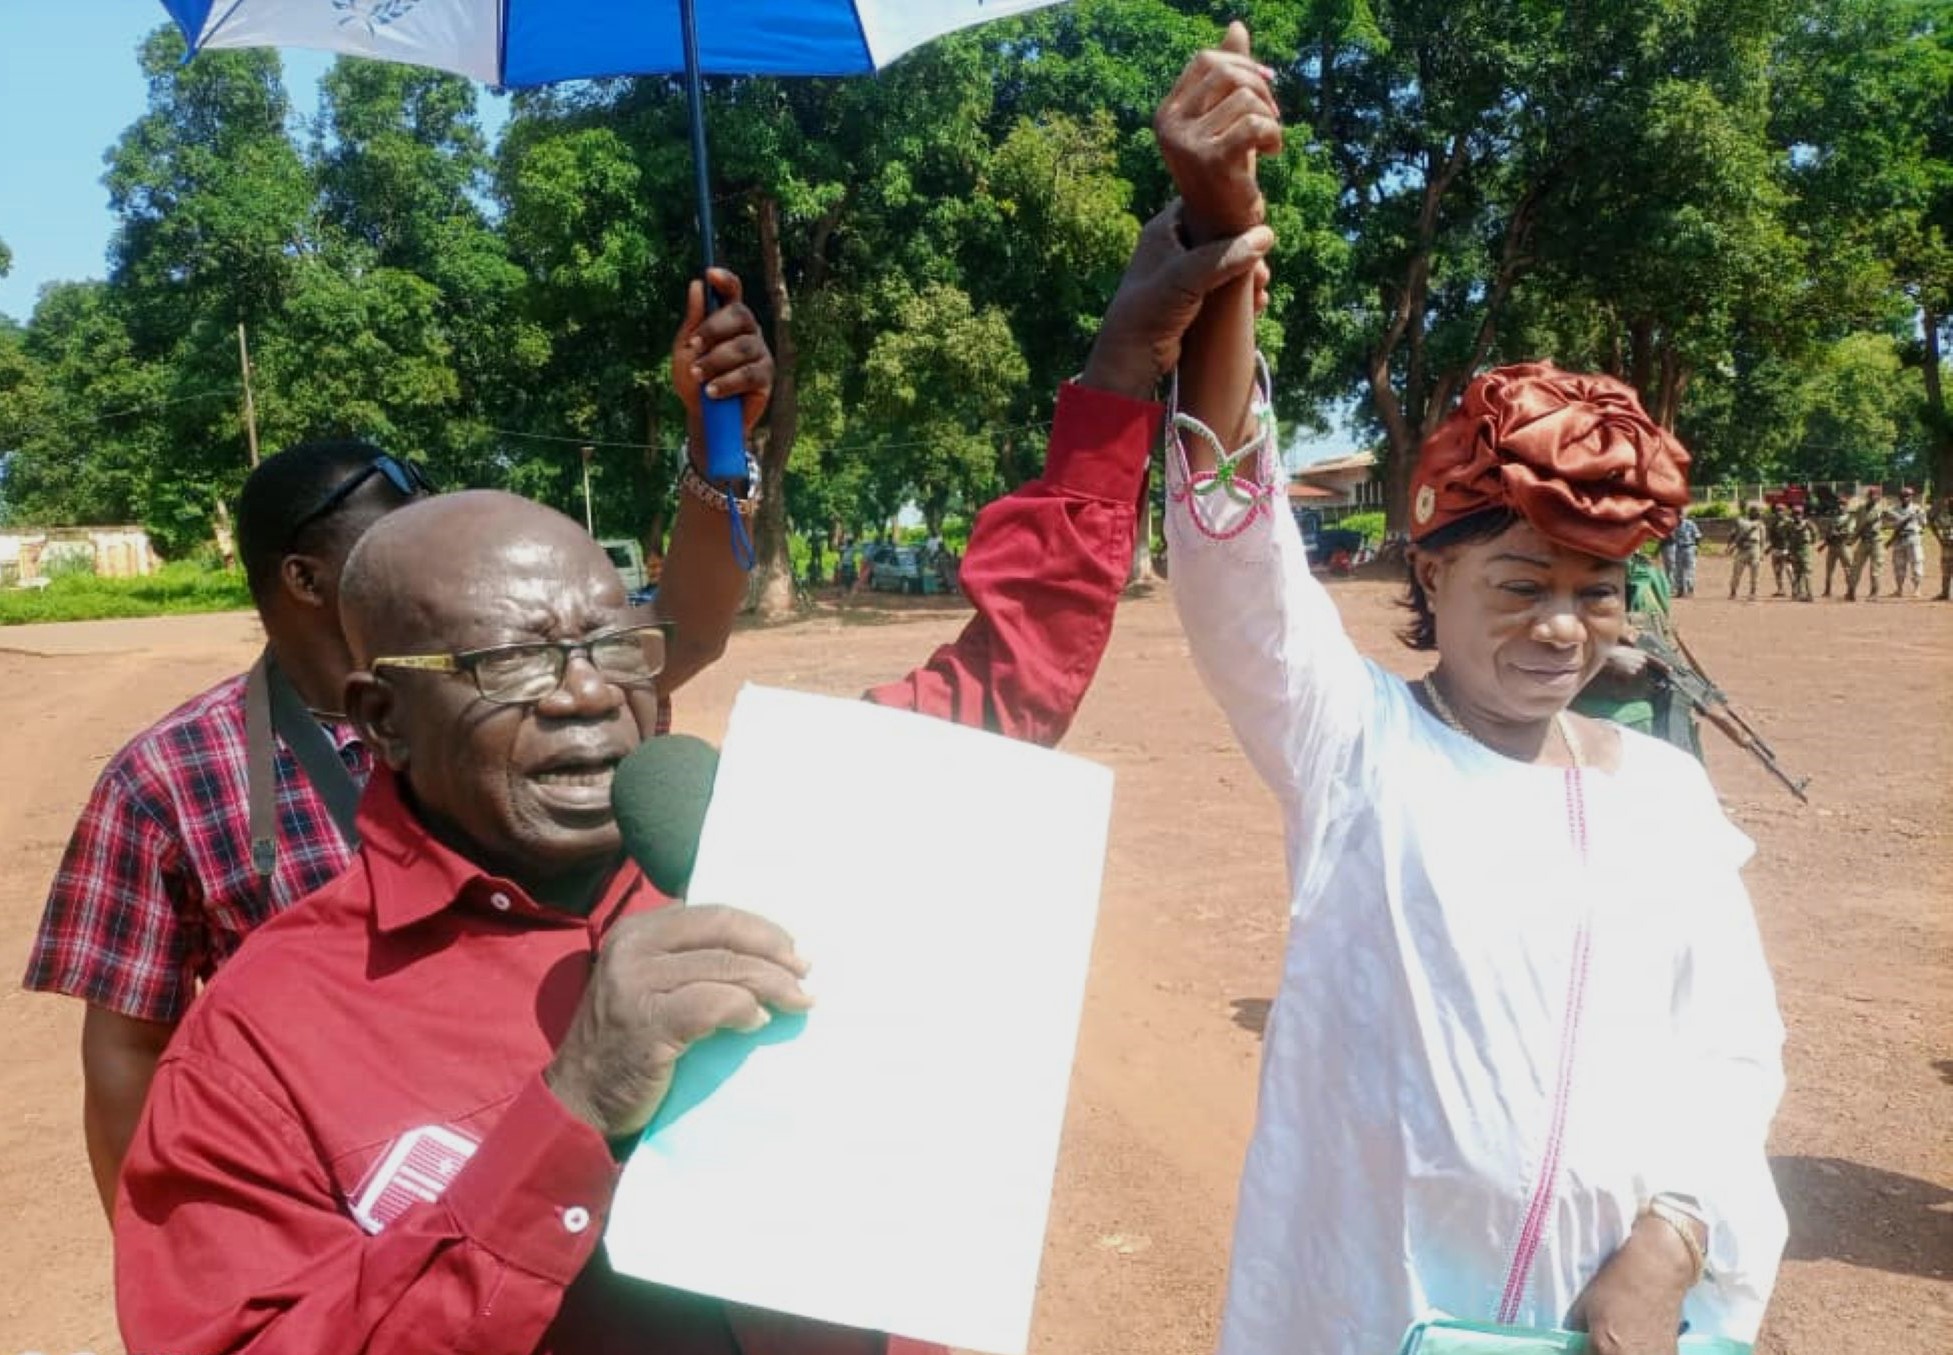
point(68, 87)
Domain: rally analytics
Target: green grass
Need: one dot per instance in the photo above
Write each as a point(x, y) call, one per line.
point(177, 589)
point(1370, 524)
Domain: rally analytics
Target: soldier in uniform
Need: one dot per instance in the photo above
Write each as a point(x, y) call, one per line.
point(1779, 543)
point(1837, 526)
point(1803, 553)
point(1628, 689)
point(1687, 541)
point(1908, 544)
point(1943, 529)
point(1869, 530)
point(1746, 544)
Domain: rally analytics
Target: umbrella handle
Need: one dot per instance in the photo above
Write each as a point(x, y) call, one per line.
point(725, 422)
point(725, 438)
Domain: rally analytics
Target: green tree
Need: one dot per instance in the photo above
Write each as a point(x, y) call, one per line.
point(402, 170)
point(1608, 156)
point(1865, 106)
point(593, 195)
point(214, 209)
point(941, 379)
point(78, 410)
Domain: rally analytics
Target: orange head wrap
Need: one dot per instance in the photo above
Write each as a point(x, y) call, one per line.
point(1575, 456)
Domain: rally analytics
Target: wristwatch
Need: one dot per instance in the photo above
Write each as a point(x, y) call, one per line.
point(1684, 1213)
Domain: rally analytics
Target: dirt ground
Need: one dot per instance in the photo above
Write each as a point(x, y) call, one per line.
point(1853, 893)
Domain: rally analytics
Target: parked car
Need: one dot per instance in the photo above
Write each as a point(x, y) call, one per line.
point(1310, 523)
point(902, 569)
point(897, 571)
point(640, 581)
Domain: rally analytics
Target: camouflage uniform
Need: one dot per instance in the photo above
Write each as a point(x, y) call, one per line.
point(1803, 554)
point(1779, 528)
point(1942, 525)
point(1746, 544)
point(1869, 529)
point(1837, 525)
point(1908, 545)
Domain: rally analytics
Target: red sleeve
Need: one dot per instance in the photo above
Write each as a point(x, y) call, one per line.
point(1045, 568)
point(230, 1237)
point(117, 930)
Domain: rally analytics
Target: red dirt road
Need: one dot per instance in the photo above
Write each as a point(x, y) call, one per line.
point(1855, 895)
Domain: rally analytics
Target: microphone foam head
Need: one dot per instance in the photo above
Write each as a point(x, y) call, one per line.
point(660, 794)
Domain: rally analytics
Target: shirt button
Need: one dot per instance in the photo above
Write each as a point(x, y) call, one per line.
point(500, 902)
point(576, 1218)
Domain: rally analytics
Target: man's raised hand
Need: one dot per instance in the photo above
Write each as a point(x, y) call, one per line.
point(1212, 127)
point(1160, 296)
point(723, 353)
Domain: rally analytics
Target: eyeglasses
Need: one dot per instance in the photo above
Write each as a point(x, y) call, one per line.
point(407, 479)
point(518, 675)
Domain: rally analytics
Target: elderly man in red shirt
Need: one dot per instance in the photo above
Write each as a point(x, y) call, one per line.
point(388, 1126)
point(174, 860)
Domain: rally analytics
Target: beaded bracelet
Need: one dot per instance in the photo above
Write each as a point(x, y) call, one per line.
point(696, 485)
point(1248, 490)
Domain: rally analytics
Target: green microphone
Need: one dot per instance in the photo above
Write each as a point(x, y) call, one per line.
point(660, 794)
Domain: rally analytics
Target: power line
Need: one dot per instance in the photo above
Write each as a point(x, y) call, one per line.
point(843, 448)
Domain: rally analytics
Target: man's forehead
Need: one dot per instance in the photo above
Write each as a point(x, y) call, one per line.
point(543, 595)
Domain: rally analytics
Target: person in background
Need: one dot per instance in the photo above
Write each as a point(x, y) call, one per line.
point(166, 872)
point(1868, 530)
point(1908, 542)
point(1836, 526)
point(844, 566)
point(1802, 534)
point(1746, 545)
point(1687, 541)
point(1942, 524)
point(1779, 543)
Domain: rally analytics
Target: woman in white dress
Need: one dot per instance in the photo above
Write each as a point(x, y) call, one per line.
point(1525, 1049)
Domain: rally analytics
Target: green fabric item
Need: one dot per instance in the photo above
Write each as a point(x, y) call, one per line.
point(1636, 713)
point(1449, 1337)
point(1647, 586)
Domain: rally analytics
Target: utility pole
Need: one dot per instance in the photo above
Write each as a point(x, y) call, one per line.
point(589, 515)
point(250, 408)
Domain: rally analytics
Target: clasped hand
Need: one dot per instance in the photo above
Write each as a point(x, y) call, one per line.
point(664, 981)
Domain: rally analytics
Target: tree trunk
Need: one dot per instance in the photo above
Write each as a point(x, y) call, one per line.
point(773, 567)
point(226, 538)
point(657, 469)
point(1939, 427)
point(1142, 547)
point(1674, 385)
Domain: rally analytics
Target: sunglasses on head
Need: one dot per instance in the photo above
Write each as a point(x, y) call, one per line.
point(407, 479)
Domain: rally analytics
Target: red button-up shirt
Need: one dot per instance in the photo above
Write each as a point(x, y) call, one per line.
point(349, 1145)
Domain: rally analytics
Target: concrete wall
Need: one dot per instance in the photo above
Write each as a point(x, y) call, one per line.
point(115, 552)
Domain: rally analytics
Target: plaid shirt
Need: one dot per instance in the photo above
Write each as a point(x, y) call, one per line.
point(157, 888)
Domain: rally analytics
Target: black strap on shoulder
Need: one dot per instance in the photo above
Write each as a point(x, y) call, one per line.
point(273, 706)
point(261, 769)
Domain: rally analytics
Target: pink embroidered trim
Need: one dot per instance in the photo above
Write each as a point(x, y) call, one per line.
point(1532, 1232)
point(1226, 479)
point(1257, 496)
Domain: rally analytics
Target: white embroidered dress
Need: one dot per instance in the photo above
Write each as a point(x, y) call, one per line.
point(1516, 1002)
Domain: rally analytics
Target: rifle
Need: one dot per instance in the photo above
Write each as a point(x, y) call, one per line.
point(1684, 673)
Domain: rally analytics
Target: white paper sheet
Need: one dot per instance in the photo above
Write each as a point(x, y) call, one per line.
point(888, 1164)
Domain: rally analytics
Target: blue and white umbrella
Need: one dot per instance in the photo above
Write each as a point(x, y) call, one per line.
point(512, 44)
